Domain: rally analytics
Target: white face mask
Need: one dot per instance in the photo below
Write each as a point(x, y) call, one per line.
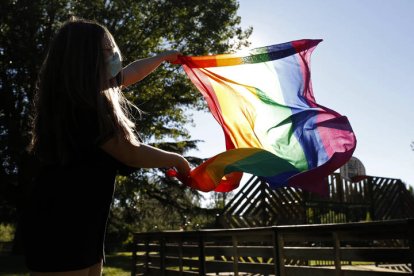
point(113, 65)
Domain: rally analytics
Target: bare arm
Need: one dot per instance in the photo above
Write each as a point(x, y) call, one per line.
point(144, 156)
point(139, 69)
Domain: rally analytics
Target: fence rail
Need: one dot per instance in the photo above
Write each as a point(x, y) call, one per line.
point(369, 248)
point(373, 198)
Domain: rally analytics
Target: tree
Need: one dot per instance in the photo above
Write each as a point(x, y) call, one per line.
point(410, 190)
point(141, 28)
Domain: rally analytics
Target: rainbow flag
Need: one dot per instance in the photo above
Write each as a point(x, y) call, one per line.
point(273, 127)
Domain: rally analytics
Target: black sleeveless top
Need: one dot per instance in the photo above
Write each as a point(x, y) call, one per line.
point(65, 220)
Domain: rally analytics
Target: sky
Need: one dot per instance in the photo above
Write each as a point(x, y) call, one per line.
point(363, 69)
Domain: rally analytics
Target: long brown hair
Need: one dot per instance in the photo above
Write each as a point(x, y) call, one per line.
point(73, 81)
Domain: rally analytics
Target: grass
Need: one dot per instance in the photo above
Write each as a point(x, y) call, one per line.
point(118, 264)
point(12, 266)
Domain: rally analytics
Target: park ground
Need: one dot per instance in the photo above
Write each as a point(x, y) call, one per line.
point(118, 264)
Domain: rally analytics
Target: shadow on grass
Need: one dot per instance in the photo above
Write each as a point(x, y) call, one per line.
point(12, 265)
point(118, 264)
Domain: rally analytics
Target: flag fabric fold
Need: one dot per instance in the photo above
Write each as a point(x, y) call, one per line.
point(272, 125)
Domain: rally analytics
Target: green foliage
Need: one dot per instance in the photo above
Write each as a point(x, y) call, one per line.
point(219, 200)
point(410, 190)
point(6, 232)
point(310, 215)
point(333, 217)
point(368, 217)
point(328, 217)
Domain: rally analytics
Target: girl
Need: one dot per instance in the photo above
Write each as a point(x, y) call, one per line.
point(82, 137)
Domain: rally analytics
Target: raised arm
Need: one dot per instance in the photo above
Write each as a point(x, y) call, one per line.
point(144, 156)
point(139, 69)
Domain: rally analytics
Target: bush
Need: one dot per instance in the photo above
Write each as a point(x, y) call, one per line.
point(6, 232)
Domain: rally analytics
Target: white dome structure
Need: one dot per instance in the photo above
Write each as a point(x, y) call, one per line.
point(353, 170)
